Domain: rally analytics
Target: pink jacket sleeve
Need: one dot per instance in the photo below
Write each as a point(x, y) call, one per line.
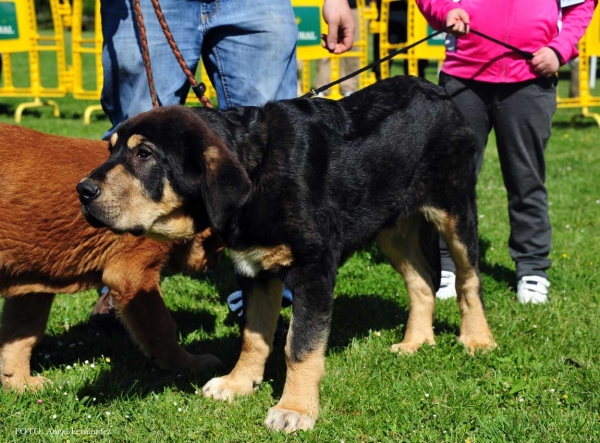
point(435, 11)
point(575, 21)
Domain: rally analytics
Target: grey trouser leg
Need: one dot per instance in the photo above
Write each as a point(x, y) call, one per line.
point(521, 115)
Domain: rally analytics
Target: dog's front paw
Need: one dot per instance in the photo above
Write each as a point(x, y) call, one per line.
point(227, 387)
point(405, 348)
point(288, 420)
point(410, 347)
point(485, 342)
point(27, 383)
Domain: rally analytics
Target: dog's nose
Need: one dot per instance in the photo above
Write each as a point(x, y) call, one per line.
point(87, 191)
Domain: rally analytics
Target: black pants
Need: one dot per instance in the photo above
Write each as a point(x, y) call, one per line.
point(521, 116)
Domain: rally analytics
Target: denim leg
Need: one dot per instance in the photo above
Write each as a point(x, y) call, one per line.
point(250, 50)
point(523, 122)
point(125, 92)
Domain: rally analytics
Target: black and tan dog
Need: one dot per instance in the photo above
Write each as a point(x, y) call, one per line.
point(294, 188)
point(46, 247)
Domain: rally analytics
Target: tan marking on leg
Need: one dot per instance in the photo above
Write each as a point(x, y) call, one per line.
point(401, 246)
point(262, 311)
point(24, 321)
point(277, 257)
point(113, 139)
point(474, 330)
point(135, 140)
point(298, 407)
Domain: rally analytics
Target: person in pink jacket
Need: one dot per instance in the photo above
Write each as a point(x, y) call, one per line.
point(498, 88)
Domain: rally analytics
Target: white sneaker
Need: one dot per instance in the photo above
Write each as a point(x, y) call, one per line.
point(447, 286)
point(533, 289)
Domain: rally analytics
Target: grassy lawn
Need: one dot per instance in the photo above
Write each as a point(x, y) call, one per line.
point(540, 385)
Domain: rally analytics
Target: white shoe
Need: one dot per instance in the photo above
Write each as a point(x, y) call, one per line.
point(533, 289)
point(447, 286)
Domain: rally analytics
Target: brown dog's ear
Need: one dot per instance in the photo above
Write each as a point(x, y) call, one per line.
point(225, 186)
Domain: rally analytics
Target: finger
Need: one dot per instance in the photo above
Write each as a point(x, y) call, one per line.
point(344, 43)
point(332, 36)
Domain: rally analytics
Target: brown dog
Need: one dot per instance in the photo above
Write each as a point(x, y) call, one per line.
point(46, 247)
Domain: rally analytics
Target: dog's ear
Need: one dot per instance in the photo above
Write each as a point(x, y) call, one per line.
point(202, 165)
point(225, 184)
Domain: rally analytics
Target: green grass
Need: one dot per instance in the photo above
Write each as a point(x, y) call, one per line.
point(540, 385)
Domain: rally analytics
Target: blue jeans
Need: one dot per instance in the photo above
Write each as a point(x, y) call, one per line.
point(248, 48)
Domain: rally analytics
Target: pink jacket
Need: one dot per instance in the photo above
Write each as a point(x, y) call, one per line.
point(527, 24)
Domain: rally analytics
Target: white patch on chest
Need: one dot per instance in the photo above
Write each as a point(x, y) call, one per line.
point(247, 263)
point(250, 262)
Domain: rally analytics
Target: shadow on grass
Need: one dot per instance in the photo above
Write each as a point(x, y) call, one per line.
point(5, 109)
point(84, 342)
point(132, 374)
point(353, 318)
point(576, 122)
point(500, 273)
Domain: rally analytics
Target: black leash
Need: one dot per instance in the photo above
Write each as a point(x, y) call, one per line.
point(314, 92)
point(527, 55)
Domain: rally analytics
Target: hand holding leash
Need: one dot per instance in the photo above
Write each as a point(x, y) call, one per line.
point(545, 62)
point(459, 19)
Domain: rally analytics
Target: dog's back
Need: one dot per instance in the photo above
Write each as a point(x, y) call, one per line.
point(365, 161)
point(45, 244)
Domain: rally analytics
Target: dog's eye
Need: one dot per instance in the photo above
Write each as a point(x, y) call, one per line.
point(143, 153)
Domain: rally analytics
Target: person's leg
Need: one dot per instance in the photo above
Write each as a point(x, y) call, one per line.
point(125, 92)
point(323, 73)
point(523, 121)
point(473, 99)
point(250, 50)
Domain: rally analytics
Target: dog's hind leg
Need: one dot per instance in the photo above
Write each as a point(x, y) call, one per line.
point(298, 407)
point(148, 320)
point(262, 305)
point(459, 231)
point(24, 320)
point(402, 245)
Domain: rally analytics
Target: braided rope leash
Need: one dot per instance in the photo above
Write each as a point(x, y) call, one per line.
point(145, 52)
point(199, 88)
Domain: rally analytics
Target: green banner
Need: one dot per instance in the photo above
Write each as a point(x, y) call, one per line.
point(309, 25)
point(438, 40)
point(9, 29)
